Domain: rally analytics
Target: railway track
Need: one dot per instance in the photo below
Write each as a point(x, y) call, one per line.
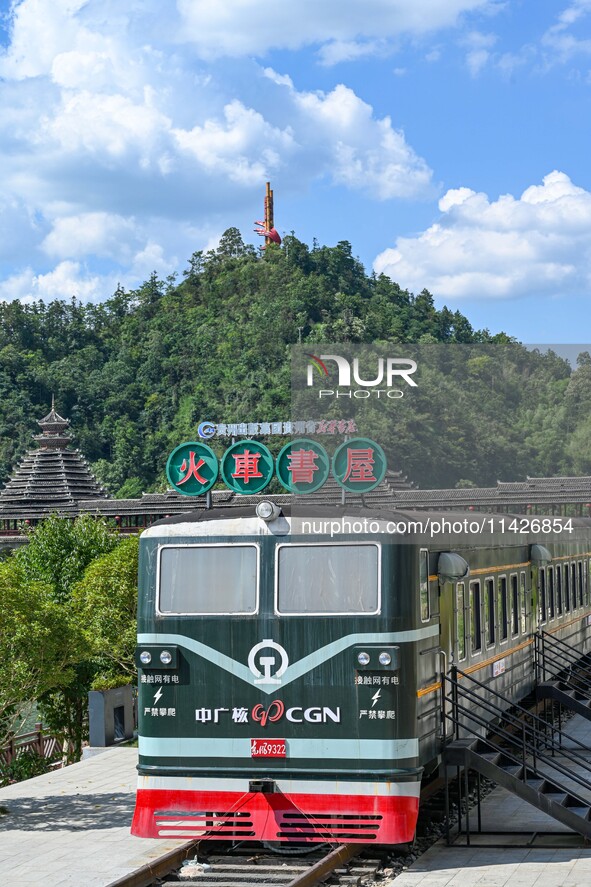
point(347, 866)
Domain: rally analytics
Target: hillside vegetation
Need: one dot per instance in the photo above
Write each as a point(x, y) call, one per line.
point(136, 373)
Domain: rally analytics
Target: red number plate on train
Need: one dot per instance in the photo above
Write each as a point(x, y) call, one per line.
point(267, 748)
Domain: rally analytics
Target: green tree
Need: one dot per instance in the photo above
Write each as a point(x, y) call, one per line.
point(59, 550)
point(58, 553)
point(38, 646)
point(104, 605)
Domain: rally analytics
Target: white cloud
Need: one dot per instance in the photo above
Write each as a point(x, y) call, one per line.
point(67, 279)
point(120, 152)
point(350, 50)
point(107, 126)
point(245, 146)
point(361, 152)
point(100, 234)
point(242, 27)
point(478, 50)
point(539, 243)
point(561, 41)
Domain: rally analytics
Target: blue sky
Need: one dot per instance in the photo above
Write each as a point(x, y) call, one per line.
point(447, 140)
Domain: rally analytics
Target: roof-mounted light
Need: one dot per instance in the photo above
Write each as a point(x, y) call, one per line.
point(268, 511)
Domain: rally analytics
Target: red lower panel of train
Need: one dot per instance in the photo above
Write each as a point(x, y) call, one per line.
point(259, 816)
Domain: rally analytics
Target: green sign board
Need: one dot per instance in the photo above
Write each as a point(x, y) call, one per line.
point(303, 466)
point(192, 468)
point(359, 465)
point(247, 467)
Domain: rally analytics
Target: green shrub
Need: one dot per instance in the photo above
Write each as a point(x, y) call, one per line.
point(26, 765)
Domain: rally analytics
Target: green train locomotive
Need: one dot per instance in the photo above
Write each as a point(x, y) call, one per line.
point(290, 670)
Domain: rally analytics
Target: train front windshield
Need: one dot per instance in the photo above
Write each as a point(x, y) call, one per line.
point(209, 580)
point(330, 579)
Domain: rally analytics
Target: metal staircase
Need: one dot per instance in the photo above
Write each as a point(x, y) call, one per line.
point(526, 755)
point(564, 675)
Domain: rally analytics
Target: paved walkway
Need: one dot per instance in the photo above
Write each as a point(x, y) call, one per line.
point(70, 828)
point(511, 822)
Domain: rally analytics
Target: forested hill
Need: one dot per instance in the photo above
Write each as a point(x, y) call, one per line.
point(136, 373)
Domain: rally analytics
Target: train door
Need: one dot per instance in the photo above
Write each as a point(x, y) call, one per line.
point(453, 572)
point(446, 646)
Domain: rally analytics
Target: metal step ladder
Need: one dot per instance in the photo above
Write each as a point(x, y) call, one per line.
point(564, 675)
point(525, 753)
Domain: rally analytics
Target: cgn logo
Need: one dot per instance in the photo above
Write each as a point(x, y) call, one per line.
point(388, 370)
point(273, 667)
point(273, 713)
point(316, 714)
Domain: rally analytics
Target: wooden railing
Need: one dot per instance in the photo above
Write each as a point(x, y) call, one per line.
point(36, 741)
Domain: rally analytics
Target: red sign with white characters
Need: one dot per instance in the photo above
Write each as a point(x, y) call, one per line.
point(267, 748)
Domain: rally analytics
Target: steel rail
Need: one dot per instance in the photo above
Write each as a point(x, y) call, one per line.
point(323, 867)
point(158, 868)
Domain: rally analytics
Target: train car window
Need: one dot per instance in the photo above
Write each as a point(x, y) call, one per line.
point(489, 611)
point(573, 585)
point(551, 592)
point(543, 604)
point(461, 619)
point(476, 625)
point(424, 585)
point(566, 582)
point(580, 574)
point(328, 579)
point(586, 579)
point(208, 580)
point(522, 597)
point(503, 609)
point(514, 604)
point(558, 580)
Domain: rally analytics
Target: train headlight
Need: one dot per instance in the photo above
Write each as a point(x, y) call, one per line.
point(145, 657)
point(385, 658)
point(165, 657)
point(363, 658)
point(267, 511)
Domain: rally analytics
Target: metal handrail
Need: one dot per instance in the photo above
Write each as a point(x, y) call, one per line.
point(504, 711)
point(576, 673)
point(557, 641)
point(524, 747)
point(521, 760)
point(530, 734)
point(522, 724)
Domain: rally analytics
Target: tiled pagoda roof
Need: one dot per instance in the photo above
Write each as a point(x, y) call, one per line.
point(52, 477)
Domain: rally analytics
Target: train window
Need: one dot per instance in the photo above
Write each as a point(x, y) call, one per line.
point(503, 609)
point(566, 583)
point(208, 580)
point(475, 616)
point(522, 597)
point(573, 584)
point(335, 579)
point(580, 574)
point(489, 611)
point(424, 585)
point(514, 604)
point(551, 591)
point(558, 579)
point(543, 605)
point(460, 619)
point(586, 580)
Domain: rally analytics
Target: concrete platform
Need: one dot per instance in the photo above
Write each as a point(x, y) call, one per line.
point(554, 857)
point(70, 828)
